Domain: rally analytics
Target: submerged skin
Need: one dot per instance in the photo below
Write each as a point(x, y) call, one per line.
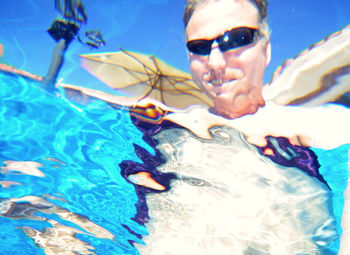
point(241, 70)
point(246, 204)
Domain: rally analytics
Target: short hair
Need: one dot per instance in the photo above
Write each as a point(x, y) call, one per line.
point(261, 5)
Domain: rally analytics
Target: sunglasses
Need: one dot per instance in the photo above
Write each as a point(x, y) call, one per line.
point(234, 38)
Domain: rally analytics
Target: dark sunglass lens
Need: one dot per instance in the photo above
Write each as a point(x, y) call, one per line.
point(200, 47)
point(237, 37)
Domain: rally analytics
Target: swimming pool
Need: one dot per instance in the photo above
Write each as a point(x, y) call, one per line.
point(76, 151)
point(60, 173)
point(63, 159)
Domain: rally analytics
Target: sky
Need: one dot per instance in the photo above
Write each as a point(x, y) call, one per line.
point(151, 27)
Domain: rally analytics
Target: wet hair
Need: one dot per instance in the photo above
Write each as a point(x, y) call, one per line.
point(261, 5)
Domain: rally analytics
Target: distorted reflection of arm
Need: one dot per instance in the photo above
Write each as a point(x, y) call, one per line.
point(59, 238)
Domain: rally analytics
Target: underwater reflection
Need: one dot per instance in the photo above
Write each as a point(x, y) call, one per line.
point(58, 238)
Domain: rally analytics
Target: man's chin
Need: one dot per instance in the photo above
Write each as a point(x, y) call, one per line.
point(236, 112)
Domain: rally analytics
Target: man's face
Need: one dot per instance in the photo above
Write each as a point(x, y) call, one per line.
point(232, 79)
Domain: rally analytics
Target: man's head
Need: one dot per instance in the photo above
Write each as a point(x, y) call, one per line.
point(231, 70)
point(192, 5)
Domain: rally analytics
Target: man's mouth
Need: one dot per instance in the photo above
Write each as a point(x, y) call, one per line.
point(216, 83)
point(218, 86)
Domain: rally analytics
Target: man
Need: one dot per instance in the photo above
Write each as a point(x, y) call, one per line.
point(232, 76)
point(227, 198)
point(229, 48)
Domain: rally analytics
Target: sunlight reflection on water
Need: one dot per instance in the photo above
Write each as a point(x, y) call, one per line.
point(60, 180)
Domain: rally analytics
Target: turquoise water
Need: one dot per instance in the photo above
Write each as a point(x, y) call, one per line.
point(79, 148)
point(334, 169)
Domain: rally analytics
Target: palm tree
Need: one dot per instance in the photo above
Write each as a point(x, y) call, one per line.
point(72, 10)
point(63, 30)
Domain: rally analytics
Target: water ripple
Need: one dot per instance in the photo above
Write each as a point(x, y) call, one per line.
point(60, 177)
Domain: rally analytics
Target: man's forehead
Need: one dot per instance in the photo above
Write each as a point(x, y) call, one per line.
point(215, 17)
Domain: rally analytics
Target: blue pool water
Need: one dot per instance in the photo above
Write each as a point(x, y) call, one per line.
point(334, 169)
point(79, 148)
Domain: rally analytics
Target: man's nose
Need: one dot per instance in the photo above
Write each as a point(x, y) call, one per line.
point(216, 59)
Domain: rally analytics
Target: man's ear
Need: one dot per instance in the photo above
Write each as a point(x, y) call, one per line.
point(267, 52)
